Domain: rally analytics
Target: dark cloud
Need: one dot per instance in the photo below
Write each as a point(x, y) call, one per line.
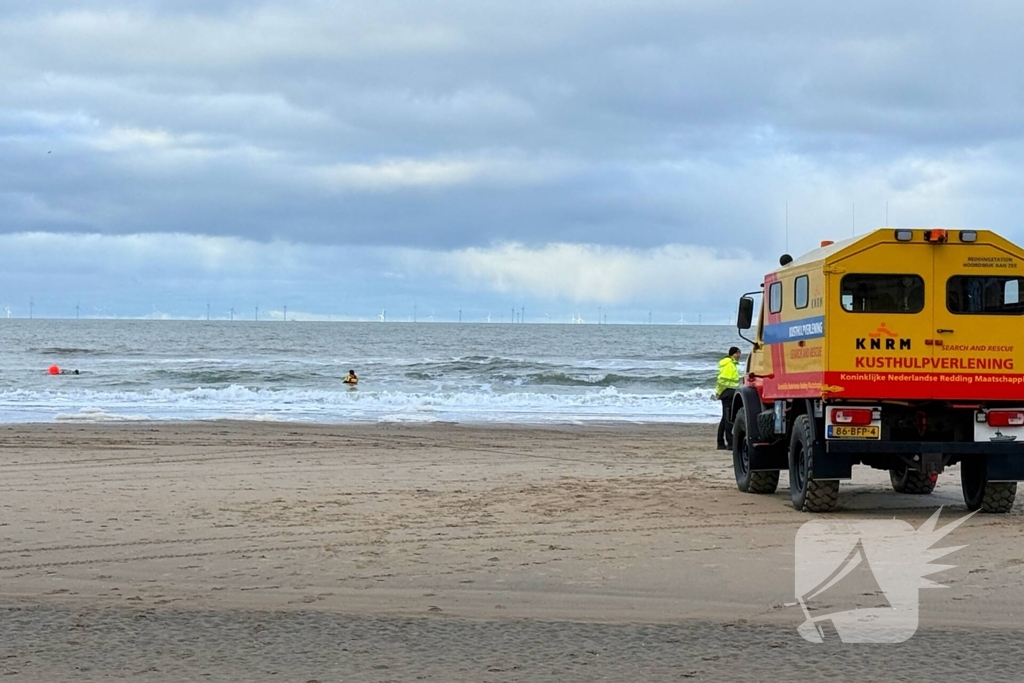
point(457, 124)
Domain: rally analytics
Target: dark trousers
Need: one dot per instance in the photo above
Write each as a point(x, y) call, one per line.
point(725, 426)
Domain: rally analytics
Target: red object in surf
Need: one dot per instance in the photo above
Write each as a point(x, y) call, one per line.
point(54, 370)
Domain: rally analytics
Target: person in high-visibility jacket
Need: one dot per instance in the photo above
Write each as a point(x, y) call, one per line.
point(725, 389)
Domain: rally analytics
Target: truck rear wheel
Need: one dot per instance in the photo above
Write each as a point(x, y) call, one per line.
point(812, 495)
point(906, 480)
point(747, 481)
point(982, 494)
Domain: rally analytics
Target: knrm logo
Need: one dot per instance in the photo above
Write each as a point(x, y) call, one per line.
point(872, 568)
point(883, 338)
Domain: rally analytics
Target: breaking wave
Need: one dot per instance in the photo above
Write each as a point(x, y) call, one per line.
point(239, 402)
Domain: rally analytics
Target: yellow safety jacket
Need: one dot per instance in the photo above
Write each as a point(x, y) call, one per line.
point(728, 375)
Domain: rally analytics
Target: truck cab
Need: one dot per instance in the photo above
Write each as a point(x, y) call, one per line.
point(903, 350)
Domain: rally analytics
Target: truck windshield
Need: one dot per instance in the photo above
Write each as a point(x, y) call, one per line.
point(972, 294)
point(870, 293)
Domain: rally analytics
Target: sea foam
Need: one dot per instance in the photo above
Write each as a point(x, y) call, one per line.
point(361, 405)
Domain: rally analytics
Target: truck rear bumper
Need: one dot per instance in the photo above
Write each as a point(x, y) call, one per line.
point(913, 447)
point(1005, 461)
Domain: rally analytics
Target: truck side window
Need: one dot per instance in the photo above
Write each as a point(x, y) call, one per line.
point(984, 295)
point(775, 297)
point(868, 293)
point(800, 292)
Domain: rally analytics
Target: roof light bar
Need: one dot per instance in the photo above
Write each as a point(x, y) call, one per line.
point(968, 236)
point(904, 235)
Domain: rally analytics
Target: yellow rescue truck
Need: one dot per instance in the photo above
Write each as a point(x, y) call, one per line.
point(903, 350)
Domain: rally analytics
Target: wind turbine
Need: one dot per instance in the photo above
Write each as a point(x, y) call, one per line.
point(7, 310)
point(488, 317)
point(383, 317)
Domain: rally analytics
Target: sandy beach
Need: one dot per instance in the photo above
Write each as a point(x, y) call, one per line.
point(271, 551)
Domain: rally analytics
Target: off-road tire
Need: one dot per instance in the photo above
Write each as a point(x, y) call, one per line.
point(808, 494)
point(981, 494)
point(765, 481)
point(766, 425)
point(906, 480)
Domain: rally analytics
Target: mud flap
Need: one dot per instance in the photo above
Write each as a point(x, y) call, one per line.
point(769, 458)
point(762, 458)
point(1003, 467)
point(831, 465)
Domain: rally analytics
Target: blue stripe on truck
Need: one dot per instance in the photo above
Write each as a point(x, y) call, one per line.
point(794, 330)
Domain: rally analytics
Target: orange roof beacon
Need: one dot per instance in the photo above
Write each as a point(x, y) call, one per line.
point(901, 349)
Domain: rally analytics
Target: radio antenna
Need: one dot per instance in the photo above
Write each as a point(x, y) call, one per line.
point(787, 227)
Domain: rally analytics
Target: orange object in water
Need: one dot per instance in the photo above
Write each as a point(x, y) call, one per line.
point(54, 370)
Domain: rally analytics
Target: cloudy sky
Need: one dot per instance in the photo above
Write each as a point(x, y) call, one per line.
point(348, 157)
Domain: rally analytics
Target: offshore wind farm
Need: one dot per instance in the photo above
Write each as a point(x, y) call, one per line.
point(211, 312)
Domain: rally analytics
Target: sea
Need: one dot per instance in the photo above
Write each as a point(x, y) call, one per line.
point(409, 372)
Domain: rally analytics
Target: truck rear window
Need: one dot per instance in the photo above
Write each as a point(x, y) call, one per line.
point(977, 295)
point(869, 293)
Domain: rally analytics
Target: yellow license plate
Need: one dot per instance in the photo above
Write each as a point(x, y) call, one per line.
point(841, 432)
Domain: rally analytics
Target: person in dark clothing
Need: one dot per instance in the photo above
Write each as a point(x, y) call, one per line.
point(725, 388)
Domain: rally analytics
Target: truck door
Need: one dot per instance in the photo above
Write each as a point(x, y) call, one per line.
point(978, 313)
point(882, 315)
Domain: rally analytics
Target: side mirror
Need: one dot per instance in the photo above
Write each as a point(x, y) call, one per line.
point(746, 313)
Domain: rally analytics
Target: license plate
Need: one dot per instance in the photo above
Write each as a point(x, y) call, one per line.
point(841, 432)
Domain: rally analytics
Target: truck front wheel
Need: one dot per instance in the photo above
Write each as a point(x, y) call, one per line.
point(906, 480)
point(747, 481)
point(812, 495)
point(982, 494)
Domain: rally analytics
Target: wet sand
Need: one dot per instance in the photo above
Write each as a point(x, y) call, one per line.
point(255, 551)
